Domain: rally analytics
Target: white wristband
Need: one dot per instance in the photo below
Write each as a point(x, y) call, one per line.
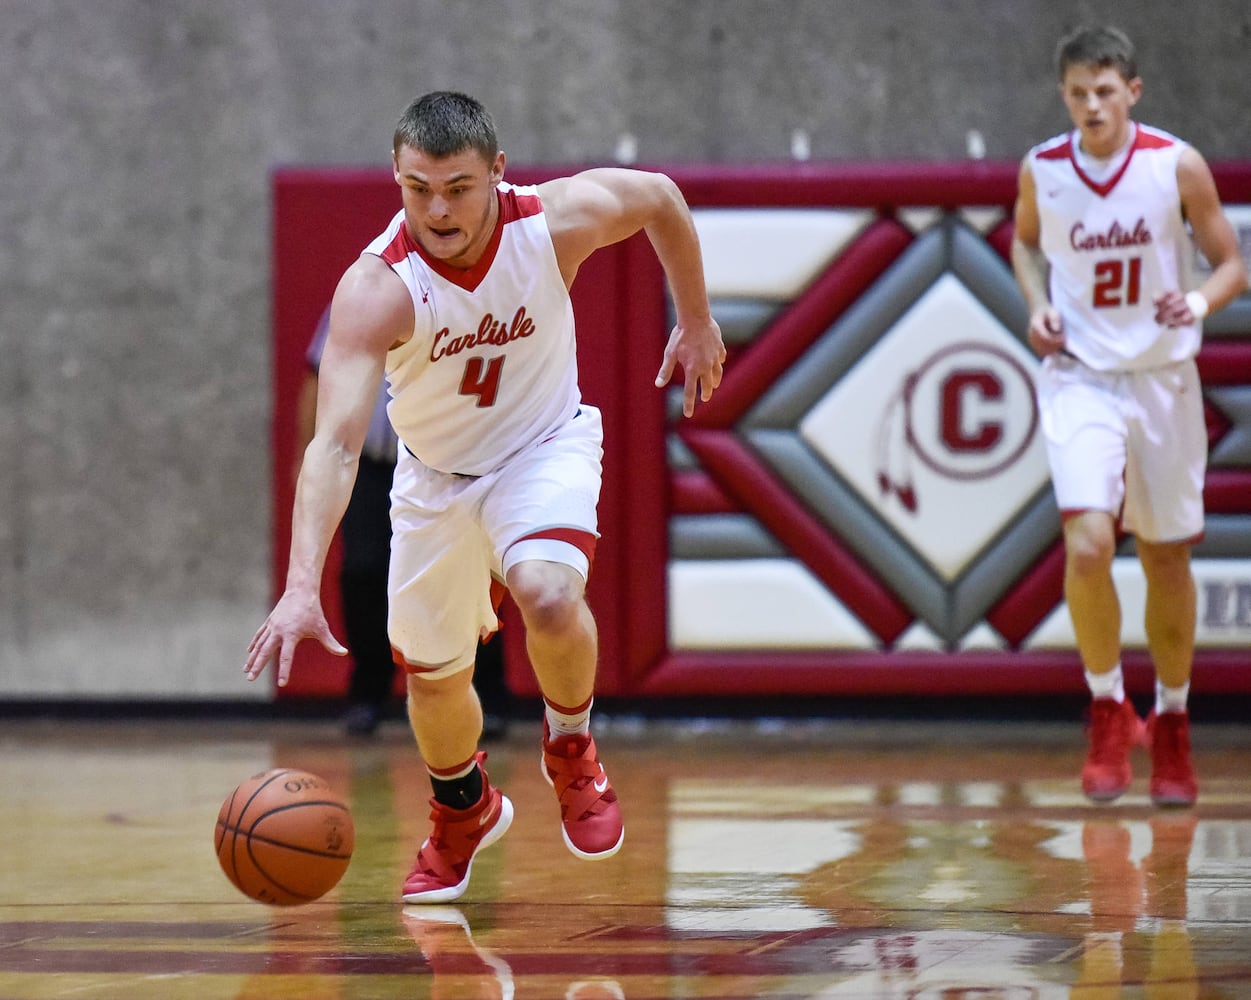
point(1197, 304)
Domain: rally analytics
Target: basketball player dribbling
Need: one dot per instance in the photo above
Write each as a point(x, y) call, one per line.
point(1103, 226)
point(464, 302)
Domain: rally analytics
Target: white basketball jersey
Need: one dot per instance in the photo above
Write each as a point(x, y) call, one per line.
point(492, 363)
point(1112, 245)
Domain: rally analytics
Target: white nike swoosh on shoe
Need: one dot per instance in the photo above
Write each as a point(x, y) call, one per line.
point(601, 785)
point(488, 817)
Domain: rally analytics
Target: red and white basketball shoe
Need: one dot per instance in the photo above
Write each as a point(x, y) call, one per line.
point(441, 871)
point(589, 815)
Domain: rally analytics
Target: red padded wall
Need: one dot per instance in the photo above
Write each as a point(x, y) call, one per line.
point(321, 220)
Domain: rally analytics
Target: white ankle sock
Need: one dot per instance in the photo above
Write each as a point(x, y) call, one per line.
point(1107, 685)
point(562, 721)
point(1169, 699)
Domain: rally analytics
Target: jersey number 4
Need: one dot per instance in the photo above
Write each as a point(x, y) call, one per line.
point(1117, 282)
point(482, 381)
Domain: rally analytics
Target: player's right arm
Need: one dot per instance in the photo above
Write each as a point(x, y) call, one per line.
point(305, 419)
point(1029, 264)
point(371, 311)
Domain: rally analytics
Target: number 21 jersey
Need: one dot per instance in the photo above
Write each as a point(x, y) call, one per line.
point(1112, 244)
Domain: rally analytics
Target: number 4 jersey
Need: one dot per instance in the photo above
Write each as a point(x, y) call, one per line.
point(492, 363)
point(1112, 244)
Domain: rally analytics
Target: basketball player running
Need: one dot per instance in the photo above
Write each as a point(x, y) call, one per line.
point(1103, 223)
point(464, 302)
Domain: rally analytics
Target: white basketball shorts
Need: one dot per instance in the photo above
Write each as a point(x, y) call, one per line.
point(454, 538)
point(1133, 443)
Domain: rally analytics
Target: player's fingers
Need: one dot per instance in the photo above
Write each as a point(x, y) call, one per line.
point(666, 371)
point(257, 658)
point(327, 639)
point(255, 667)
point(690, 390)
point(285, 655)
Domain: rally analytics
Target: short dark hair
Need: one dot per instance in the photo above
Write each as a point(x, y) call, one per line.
point(443, 123)
point(1102, 46)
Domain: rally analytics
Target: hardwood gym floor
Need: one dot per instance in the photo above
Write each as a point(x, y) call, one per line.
point(779, 859)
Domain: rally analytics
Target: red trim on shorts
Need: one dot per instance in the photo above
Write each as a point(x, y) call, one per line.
point(498, 590)
point(409, 667)
point(1189, 540)
point(568, 711)
point(1068, 514)
point(583, 541)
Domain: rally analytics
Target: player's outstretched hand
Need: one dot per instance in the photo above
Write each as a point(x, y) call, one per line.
point(698, 348)
point(295, 617)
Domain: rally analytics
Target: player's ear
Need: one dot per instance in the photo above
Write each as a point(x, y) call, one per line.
point(497, 168)
point(1135, 90)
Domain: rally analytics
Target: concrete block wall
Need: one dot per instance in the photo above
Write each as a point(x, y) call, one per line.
point(138, 139)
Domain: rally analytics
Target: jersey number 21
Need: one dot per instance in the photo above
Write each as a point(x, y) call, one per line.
point(1117, 282)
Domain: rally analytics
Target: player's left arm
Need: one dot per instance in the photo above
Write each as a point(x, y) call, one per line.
point(602, 206)
point(1201, 206)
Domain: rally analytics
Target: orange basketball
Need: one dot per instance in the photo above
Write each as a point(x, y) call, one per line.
point(284, 837)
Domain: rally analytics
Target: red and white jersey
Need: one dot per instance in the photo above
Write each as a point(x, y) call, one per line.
point(1112, 245)
point(492, 363)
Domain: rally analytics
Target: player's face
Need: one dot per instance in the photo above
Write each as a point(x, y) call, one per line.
point(449, 202)
point(1099, 101)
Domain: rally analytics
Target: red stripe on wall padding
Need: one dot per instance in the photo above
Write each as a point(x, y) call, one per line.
point(801, 323)
point(1227, 491)
point(733, 674)
point(698, 493)
point(749, 483)
point(855, 185)
point(1033, 597)
point(1225, 362)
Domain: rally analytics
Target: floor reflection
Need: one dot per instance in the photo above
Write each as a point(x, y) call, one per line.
point(956, 889)
point(460, 968)
point(753, 868)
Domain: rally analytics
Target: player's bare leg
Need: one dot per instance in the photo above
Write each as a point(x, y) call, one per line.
point(1170, 625)
point(467, 813)
point(1170, 617)
point(561, 637)
point(1089, 545)
point(446, 718)
point(563, 644)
